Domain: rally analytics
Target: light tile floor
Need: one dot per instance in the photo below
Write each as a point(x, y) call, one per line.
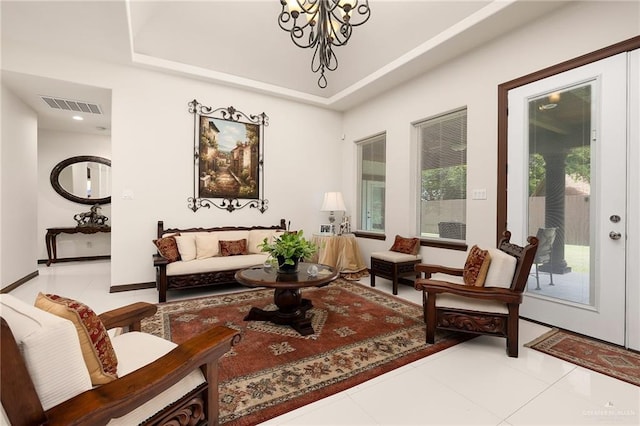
point(471, 383)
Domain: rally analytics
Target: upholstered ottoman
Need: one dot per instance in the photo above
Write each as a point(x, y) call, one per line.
point(393, 265)
point(399, 261)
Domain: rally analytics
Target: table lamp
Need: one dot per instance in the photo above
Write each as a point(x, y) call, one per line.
point(333, 202)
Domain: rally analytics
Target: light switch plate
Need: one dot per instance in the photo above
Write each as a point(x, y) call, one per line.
point(479, 194)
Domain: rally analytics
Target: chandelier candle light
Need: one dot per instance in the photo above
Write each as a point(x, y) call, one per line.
point(320, 25)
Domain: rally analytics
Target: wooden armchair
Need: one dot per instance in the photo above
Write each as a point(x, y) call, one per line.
point(493, 309)
point(161, 382)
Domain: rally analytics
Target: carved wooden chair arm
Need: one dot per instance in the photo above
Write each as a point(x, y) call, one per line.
point(428, 270)
point(117, 398)
point(128, 316)
point(505, 295)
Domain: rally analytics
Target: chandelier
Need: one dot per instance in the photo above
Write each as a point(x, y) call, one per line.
point(321, 25)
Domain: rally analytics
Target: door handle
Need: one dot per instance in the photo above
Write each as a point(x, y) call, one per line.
point(614, 235)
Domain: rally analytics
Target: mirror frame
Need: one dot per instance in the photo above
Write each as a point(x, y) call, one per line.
point(55, 179)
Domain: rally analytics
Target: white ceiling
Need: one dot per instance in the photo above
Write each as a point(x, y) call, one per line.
point(239, 43)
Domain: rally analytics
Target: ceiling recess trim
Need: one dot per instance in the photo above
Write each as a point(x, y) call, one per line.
point(71, 105)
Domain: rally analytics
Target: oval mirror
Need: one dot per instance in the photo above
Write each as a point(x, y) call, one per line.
point(83, 179)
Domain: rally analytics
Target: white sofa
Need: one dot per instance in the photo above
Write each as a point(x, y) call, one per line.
point(202, 262)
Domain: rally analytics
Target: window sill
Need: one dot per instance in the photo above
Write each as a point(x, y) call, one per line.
point(449, 245)
point(370, 235)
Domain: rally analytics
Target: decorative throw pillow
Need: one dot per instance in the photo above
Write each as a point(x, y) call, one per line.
point(256, 237)
point(168, 248)
point(97, 350)
point(186, 246)
point(233, 248)
point(206, 245)
point(406, 245)
point(476, 267)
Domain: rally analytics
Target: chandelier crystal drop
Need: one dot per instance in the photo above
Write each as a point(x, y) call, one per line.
point(321, 25)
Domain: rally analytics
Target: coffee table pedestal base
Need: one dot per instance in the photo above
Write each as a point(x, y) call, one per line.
point(292, 311)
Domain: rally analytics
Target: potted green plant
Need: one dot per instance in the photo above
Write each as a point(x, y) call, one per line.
point(288, 249)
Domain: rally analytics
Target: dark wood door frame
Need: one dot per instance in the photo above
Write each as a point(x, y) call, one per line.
point(503, 91)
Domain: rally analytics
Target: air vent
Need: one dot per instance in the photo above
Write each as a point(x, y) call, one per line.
point(69, 105)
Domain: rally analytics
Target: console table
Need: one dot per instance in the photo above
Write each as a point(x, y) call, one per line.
point(52, 233)
point(341, 252)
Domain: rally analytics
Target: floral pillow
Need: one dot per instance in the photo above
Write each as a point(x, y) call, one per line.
point(406, 245)
point(168, 248)
point(97, 349)
point(233, 248)
point(476, 267)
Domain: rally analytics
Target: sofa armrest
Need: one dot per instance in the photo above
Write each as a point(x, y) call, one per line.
point(115, 399)
point(159, 260)
point(128, 316)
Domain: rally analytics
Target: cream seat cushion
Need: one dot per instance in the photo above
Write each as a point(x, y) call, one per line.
point(447, 300)
point(214, 264)
point(135, 350)
point(395, 257)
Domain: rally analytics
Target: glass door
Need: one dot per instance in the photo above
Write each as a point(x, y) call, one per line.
point(567, 185)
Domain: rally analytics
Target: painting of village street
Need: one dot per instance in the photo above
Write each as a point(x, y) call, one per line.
point(229, 153)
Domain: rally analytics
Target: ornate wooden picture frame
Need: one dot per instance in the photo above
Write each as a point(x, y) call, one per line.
point(228, 158)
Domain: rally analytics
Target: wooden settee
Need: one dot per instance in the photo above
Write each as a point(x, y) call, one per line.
point(211, 270)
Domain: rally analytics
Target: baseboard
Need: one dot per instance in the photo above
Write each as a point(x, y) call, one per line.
point(130, 287)
point(18, 283)
point(76, 259)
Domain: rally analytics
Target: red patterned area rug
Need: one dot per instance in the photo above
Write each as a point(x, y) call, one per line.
point(361, 333)
point(598, 356)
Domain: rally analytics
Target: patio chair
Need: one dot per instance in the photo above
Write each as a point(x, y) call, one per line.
point(546, 238)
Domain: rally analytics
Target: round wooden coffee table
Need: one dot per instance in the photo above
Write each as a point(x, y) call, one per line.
point(292, 308)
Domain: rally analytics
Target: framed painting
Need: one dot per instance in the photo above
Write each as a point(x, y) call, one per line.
point(228, 158)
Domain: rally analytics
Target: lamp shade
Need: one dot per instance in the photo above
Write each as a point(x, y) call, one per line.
point(333, 202)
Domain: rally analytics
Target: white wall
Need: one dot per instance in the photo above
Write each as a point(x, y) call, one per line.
point(152, 153)
point(54, 211)
point(472, 80)
point(18, 179)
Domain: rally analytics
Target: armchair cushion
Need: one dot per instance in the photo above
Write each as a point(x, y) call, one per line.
point(502, 269)
point(135, 350)
point(476, 266)
point(448, 278)
point(395, 257)
point(47, 343)
point(97, 351)
point(453, 301)
point(406, 245)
